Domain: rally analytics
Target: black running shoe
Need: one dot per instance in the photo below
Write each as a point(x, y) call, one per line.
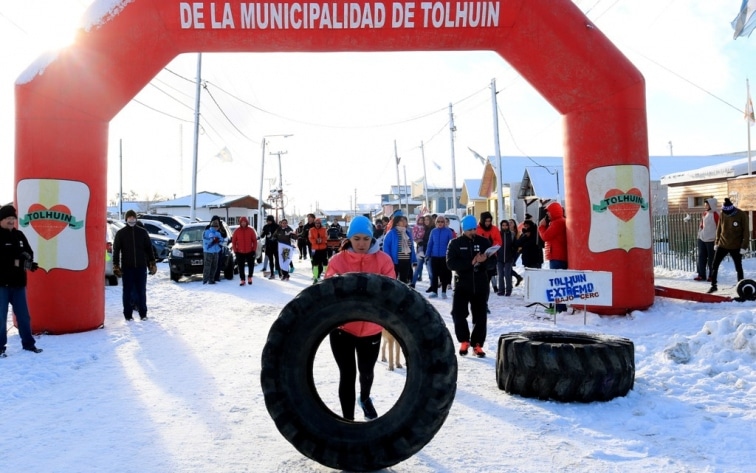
point(33, 349)
point(367, 408)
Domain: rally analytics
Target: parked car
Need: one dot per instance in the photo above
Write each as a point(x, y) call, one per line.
point(110, 278)
point(161, 246)
point(156, 227)
point(454, 223)
point(173, 221)
point(187, 257)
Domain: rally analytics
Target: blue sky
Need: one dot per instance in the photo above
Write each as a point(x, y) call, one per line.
point(345, 110)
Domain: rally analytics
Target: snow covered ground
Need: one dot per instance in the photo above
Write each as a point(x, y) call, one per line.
point(180, 392)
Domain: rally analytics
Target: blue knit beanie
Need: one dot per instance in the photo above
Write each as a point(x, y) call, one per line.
point(469, 223)
point(360, 225)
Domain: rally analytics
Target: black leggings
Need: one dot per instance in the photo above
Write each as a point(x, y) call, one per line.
point(343, 347)
point(302, 247)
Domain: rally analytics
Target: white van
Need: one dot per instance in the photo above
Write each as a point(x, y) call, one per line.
point(454, 223)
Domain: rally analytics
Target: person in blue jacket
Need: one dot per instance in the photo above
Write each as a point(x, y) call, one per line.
point(398, 245)
point(436, 250)
point(211, 246)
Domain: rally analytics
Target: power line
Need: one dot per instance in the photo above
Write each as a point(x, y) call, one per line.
point(224, 113)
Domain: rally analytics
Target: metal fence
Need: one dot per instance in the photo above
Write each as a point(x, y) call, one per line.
point(676, 241)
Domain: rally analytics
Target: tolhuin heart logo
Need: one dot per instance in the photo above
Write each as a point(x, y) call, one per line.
point(48, 223)
point(624, 205)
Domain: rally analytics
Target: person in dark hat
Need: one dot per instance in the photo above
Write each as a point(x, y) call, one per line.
point(731, 239)
point(271, 246)
point(133, 257)
point(16, 257)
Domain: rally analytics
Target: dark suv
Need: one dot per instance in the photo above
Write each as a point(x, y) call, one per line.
point(187, 257)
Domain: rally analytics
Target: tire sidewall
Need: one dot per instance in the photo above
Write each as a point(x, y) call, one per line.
point(287, 374)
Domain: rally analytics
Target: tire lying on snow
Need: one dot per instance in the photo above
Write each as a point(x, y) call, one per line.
point(565, 366)
point(289, 388)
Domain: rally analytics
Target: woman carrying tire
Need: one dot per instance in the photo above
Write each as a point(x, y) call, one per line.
point(360, 337)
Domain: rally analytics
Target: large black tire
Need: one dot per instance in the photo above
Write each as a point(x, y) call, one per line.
point(565, 366)
point(747, 289)
point(289, 388)
point(175, 276)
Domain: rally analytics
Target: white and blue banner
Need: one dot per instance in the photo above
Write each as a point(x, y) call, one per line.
point(567, 286)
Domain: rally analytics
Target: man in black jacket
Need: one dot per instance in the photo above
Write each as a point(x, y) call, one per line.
point(132, 256)
point(466, 255)
point(271, 246)
point(16, 257)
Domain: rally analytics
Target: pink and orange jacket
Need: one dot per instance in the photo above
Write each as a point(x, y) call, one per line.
point(347, 261)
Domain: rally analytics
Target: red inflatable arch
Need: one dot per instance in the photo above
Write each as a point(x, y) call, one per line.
point(64, 105)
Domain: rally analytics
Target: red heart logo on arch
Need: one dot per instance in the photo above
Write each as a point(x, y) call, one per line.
point(624, 211)
point(48, 228)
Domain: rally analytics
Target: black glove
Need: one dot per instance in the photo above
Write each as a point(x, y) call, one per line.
point(34, 267)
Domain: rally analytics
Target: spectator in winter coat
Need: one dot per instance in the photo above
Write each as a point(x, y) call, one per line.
point(438, 242)
point(271, 246)
point(553, 231)
point(302, 239)
point(306, 235)
point(731, 239)
point(285, 236)
point(488, 230)
point(505, 258)
point(359, 254)
point(515, 229)
point(707, 232)
point(378, 231)
point(466, 256)
point(212, 245)
point(318, 240)
point(398, 245)
point(527, 246)
point(418, 236)
point(244, 241)
point(132, 257)
point(16, 257)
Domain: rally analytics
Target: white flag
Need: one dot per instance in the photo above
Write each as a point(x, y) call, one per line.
point(224, 155)
point(749, 110)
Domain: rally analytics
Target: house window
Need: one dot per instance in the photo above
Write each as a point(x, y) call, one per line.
point(697, 201)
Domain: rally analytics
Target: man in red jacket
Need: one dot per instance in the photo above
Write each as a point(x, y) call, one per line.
point(244, 241)
point(553, 231)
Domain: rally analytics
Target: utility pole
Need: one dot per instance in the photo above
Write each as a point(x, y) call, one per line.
point(198, 89)
point(120, 179)
point(280, 182)
point(407, 212)
point(500, 179)
point(452, 129)
point(425, 178)
point(260, 204)
point(398, 182)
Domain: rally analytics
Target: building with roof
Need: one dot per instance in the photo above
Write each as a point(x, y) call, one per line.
point(688, 189)
point(229, 208)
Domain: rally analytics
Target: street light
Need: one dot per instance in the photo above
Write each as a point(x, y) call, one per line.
point(262, 173)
